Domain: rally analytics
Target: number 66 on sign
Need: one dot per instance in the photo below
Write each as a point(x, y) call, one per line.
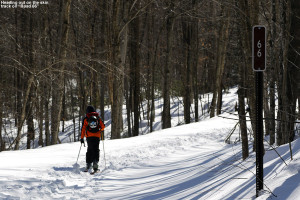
point(259, 48)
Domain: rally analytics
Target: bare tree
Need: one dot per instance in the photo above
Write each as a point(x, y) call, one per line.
point(117, 34)
point(221, 36)
point(57, 90)
point(170, 18)
point(134, 61)
point(2, 144)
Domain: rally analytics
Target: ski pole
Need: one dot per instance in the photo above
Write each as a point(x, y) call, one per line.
point(103, 150)
point(79, 151)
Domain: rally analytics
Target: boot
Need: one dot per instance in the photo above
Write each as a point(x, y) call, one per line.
point(95, 166)
point(88, 166)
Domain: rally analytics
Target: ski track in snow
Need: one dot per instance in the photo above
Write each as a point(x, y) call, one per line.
point(173, 163)
point(184, 162)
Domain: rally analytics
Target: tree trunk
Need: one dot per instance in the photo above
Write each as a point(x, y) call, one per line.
point(283, 128)
point(26, 44)
point(63, 110)
point(148, 63)
point(128, 106)
point(135, 67)
point(271, 116)
point(195, 75)
point(266, 106)
point(29, 104)
point(293, 67)
point(30, 124)
point(46, 94)
point(45, 87)
point(117, 44)
point(272, 112)
point(166, 116)
point(23, 113)
point(298, 99)
point(242, 113)
point(73, 110)
point(222, 38)
point(153, 63)
point(103, 79)
point(18, 77)
point(57, 88)
point(40, 115)
point(188, 37)
point(250, 9)
point(2, 144)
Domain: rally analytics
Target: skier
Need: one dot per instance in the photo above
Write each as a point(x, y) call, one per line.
point(92, 129)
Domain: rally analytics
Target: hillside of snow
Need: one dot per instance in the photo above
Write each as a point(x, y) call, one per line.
point(184, 162)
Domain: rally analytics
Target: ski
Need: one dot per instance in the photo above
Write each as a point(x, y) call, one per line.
point(94, 172)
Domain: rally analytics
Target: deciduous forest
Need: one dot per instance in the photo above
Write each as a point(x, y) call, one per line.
point(64, 55)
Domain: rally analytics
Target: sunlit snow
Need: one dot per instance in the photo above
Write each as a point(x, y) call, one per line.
point(183, 162)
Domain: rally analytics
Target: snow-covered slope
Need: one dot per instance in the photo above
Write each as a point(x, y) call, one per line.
point(185, 162)
point(189, 161)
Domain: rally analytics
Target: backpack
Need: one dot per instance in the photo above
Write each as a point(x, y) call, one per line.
point(93, 120)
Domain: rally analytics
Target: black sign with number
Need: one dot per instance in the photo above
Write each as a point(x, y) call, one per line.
point(259, 48)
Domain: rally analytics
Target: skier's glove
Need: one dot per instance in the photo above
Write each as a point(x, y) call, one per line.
point(82, 141)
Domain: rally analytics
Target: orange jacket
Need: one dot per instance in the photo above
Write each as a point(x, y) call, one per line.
point(86, 133)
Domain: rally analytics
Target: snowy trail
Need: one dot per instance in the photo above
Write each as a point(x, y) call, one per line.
point(184, 162)
point(181, 165)
point(189, 161)
point(188, 175)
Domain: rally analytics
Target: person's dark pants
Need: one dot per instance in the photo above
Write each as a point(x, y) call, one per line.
point(92, 154)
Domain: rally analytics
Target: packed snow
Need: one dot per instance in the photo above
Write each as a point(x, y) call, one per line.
point(184, 162)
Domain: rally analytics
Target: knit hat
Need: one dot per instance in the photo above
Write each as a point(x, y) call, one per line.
point(90, 109)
